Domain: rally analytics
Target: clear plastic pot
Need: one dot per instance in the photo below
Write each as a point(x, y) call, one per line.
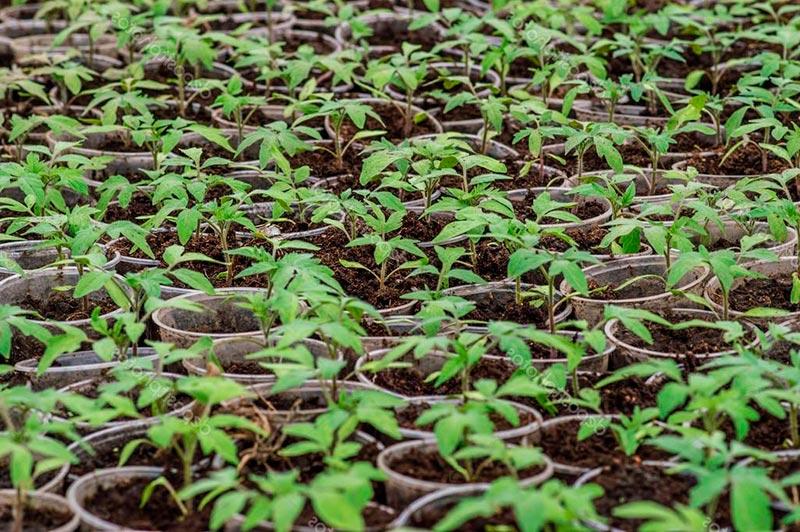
point(42, 502)
point(518, 434)
point(627, 354)
point(38, 285)
point(382, 23)
point(183, 327)
point(502, 291)
point(621, 270)
point(35, 254)
point(102, 480)
point(147, 419)
point(401, 490)
point(563, 195)
point(78, 366)
point(428, 117)
point(237, 349)
point(426, 509)
point(642, 179)
point(783, 267)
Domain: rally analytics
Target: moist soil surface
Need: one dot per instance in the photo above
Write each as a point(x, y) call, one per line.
point(560, 443)
point(746, 160)
point(394, 124)
point(359, 283)
point(324, 164)
point(205, 243)
point(428, 465)
point(645, 287)
point(36, 519)
point(411, 381)
point(349, 181)
point(120, 505)
point(407, 418)
point(631, 481)
point(585, 210)
point(682, 342)
point(61, 306)
point(773, 292)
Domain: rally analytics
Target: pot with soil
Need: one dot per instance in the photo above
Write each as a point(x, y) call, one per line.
point(611, 283)
point(223, 317)
point(427, 511)
point(35, 254)
point(498, 301)
point(592, 211)
point(233, 354)
point(407, 415)
point(389, 30)
point(176, 405)
point(340, 183)
point(648, 188)
point(81, 365)
point(691, 347)
point(43, 512)
point(108, 499)
point(377, 518)
point(126, 157)
point(746, 161)
point(731, 233)
point(774, 290)
point(290, 406)
point(415, 468)
point(397, 125)
point(625, 115)
point(39, 292)
point(462, 118)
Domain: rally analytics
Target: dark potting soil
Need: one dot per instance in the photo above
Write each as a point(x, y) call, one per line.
point(428, 465)
point(746, 160)
point(374, 515)
point(682, 342)
point(586, 238)
point(139, 208)
point(35, 519)
point(560, 443)
point(205, 243)
point(502, 520)
point(767, 433)
point(422, 228)
point(360, 283)
point(323, 164)
point(773, 292)
point(584, 210)
point(411, 381)
point(61, 306)
point(645, 287)
point(291, 42)
point(392, 37)
point(108, 456)
point(407, 418)
point(462, 112)
point(394, 123)
point(491, 308)
point(120, 505)
point(350, 182)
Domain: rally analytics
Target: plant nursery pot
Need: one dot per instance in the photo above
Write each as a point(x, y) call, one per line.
point(382, 24)
point(732, 232)
point(643, 181)
point(74, 367)
point(627, 354)
point(550, 425)
point(236, 522)
point(783, 267)
point(443, 68)
point(500, 293)
point(37, 287)
point(224, 313)
point(518, 434)
point(401, 490)
point(589, 476)
point(425, 512)
point(295, 405)
point(627, 115)
point(563, 195)
point(619, 271)
point(429, 119)
point(233, 353)
point(38, 503)
point(100, 481)
point(87, 428)
point(416, 206)
point(494, 149)
point(32, 255)
point(719, 181)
